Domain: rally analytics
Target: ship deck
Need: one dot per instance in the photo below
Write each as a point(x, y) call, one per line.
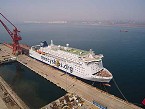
point(103, 73)
point(75, 51)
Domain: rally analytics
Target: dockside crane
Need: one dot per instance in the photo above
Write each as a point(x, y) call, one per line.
point(14, 35)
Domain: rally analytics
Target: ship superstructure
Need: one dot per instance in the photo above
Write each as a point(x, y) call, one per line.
point(80, 63)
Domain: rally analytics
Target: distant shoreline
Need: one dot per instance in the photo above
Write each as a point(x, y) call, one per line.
point(125, 25)
point(65, 23)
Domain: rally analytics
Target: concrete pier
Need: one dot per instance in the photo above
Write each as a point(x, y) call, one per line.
point(73, 85)
point(71, 101)
point(5, 57)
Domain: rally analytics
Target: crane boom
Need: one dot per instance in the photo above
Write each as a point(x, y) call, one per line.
point(14, 35)
point(10, 33)
point(7, 20)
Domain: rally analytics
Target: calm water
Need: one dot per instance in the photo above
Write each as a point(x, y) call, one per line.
point(124, 53)
point(34, 90)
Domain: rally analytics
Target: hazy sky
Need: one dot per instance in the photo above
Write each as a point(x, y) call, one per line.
point(46, 10)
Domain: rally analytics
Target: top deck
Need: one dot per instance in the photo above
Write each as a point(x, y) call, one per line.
point(87, 56)
point(66, 49)
point(74, 51)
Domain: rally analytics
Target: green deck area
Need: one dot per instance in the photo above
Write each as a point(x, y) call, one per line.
point(71, 50)
point(76, 51)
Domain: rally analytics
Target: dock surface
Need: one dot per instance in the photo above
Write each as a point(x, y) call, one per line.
point(73, 85)
point(2, 104)
point(70, 101)
point(5, 57)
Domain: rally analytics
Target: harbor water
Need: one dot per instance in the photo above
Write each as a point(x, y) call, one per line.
point(33, 89)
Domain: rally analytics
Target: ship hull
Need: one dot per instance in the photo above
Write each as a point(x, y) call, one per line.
point(99, 79)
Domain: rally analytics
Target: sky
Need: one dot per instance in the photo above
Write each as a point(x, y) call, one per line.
point(48, 10)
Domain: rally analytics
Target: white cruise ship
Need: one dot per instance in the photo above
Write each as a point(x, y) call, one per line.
point(80, 63)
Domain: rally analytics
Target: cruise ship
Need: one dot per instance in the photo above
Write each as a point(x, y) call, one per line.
point(80, 63)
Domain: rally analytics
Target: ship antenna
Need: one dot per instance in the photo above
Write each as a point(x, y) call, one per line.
point(51, 42)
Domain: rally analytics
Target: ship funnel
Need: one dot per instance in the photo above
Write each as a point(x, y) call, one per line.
point(51, 42)
point(43, 44)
